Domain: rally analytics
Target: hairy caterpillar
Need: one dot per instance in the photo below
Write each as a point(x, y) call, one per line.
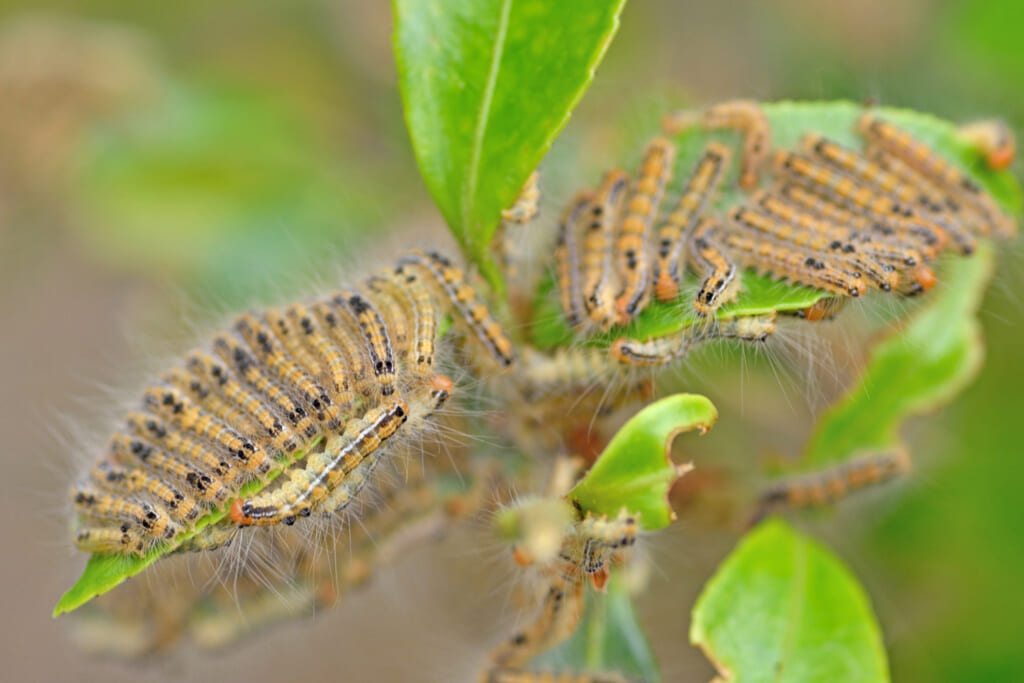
point(282, 383)
point(721, 282)
point(641, 209)
point(828, 486)
point(673, 235)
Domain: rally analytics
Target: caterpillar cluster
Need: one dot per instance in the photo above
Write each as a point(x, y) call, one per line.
point(310, 399)
point(334, 379)
point(834, 219)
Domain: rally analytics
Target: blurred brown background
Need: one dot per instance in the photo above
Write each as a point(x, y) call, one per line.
point(163, 162)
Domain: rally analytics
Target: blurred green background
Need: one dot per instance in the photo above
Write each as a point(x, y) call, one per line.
point(160, 163)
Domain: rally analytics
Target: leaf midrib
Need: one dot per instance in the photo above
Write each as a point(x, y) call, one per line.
point(795, 609)
point(483, 117)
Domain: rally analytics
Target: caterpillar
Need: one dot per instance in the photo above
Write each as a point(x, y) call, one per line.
point(822, 488)
point(567, 260)
point(673, 234)
point(671, 348)
point(721, 278)
point(599, 278)
point(340, 372)
point(641, 210)
point(747, 117)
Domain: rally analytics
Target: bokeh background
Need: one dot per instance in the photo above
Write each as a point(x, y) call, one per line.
point(162, 162)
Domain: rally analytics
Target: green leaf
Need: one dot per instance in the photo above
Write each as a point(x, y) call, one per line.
point(635, 471)
point(486, 87)
point(790, 121)
point(782, 608)
point(608, 639)
point(918, 369)
point(105, 572)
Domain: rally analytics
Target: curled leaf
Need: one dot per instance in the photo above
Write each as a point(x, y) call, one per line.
point(634, 471)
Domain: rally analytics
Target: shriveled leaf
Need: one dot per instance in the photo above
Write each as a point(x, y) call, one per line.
point(609, 639)
point(918, 369)
point(104, 572)
point(782, 608)
point(634, 471)
point(790, 121)
point(487, 85)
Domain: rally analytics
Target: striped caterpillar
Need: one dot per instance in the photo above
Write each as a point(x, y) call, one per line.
point(335, 378)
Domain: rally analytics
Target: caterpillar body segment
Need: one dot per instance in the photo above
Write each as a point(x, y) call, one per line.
point(674, 233)
point(566, 371)
point(899, 186)
point(568, 272)
point(823, 309)
point(527, 203)
point(437, 393)
point(465, 304)
point(721, 277)
point(207, 398)
point(203, 477)
point(864, 169)
point(631, 247)
point(747, 117)
point(962, 219)
point(600, 283)
point(285, 371)
point(124, 539)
